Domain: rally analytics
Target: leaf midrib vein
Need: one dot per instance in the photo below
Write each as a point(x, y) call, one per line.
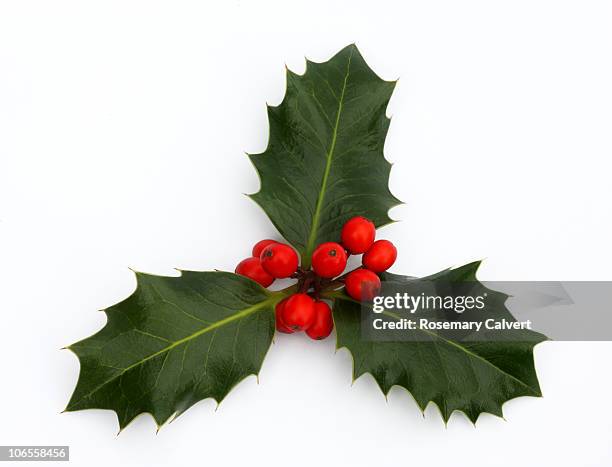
point(317, 214)
point(168, 348)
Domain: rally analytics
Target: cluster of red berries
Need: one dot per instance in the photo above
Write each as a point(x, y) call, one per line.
point(302, 312)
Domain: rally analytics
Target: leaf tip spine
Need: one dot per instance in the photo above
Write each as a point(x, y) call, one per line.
point(136, 272)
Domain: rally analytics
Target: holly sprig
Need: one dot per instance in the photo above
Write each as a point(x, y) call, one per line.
point(178, 340)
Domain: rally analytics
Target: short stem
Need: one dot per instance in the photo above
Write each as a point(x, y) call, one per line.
point(317, 287)
point(336, 283)
point(305, 285)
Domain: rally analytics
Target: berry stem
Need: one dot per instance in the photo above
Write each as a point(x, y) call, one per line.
point(317, 287)
point(336, 283)
point(306, 282)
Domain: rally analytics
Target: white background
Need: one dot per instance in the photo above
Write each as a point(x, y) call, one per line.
point(123, 127)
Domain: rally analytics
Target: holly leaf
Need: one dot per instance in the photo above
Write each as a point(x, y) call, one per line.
point(468, 376)
point(174, 342)
point(324, 162)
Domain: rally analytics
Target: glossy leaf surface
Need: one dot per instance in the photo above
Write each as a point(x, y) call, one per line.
point(472, 377)
point(174, 342)
point(324, 162)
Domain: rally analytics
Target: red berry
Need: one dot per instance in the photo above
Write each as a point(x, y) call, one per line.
point(362, 284)
point(251, 268)
point(279, 260)
point(280, 326)
point(358, 234)
point(298, 312)
point(260, 245)
point(381, 256)
point(329, 259)
point(323, 322)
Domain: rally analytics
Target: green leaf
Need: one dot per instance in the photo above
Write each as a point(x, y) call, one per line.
point(174, 342)
point(324, 162)
point(468, 376)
